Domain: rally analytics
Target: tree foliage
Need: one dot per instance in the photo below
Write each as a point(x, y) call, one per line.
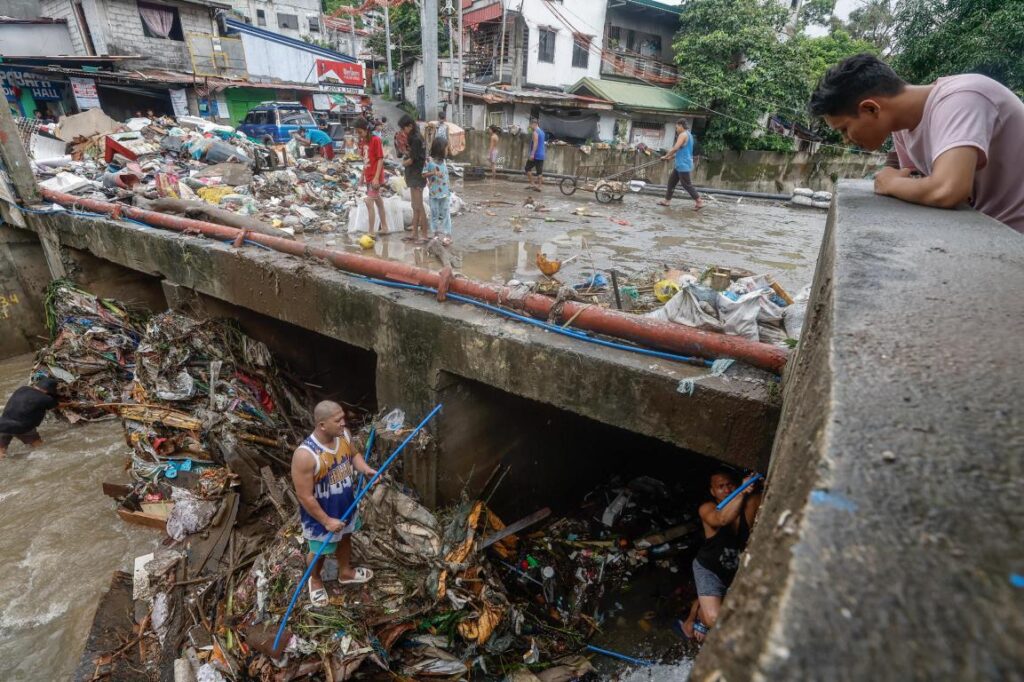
point(873, 21)
point(407, 34)
point(936, 38)
point(736, 62)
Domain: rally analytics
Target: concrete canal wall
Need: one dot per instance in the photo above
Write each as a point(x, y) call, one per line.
point(890, 533)
point(751, 171)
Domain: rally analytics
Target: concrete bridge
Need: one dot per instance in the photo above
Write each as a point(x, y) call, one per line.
point(890, 533)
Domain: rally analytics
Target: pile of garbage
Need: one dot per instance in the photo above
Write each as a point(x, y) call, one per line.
point(755, 307)
point(190, 166)
point(92, 349)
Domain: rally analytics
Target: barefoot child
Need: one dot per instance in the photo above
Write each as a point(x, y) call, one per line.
point(373, 174)
point(323, 468)
point(492, 152)
point(436, 172)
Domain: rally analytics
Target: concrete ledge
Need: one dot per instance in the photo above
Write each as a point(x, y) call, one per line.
point(892, 522)
point(416, 338)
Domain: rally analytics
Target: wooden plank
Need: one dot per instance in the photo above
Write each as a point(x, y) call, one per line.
point(143, 519)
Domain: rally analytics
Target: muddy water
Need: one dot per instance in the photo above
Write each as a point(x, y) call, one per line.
point(60, 539)
point(498, 237)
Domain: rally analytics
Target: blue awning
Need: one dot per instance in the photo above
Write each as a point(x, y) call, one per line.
point(235, 26)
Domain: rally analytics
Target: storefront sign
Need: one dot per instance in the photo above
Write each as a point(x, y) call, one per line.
point(330, 71)
point(15, 80)
point(180, 102)
point(321, 102)
point(84, 90)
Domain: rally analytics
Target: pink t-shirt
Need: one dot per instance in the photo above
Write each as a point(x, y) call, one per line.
point(974, 111)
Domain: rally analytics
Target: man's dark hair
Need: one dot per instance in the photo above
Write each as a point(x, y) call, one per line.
point(728, 473)
point(682, 122)
point(496, 130)
point(849, 82)
point(48, 385)
point(362, 124)
point(406, 120)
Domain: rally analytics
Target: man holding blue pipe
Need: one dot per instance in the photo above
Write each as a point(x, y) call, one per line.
point(323, 468)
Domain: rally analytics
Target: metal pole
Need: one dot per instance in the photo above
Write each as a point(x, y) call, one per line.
point(387, 31)
point(462, 69)
point(352, 35)
point(451, 62)
point(430, 91)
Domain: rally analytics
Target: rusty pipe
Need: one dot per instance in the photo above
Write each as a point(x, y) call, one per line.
point(667, 336)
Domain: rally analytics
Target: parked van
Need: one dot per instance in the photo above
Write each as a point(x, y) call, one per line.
point(274, 122)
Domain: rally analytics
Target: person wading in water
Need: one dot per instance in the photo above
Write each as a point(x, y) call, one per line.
point(25, 410)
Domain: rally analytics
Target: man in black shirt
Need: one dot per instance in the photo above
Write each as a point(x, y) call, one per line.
point(24, 411)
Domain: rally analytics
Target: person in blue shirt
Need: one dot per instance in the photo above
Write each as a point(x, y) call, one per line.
point(535, 164)
point(683, 153)
point(439, 182)
point(320, 141)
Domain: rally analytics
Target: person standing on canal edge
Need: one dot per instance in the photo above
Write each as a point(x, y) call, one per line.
point(725, 535)
point(415, 156)
point(964, 133)
point(492, 151)
point(683, 153)
point(535, 164)
point(437, 175)
point(322, 473)
point(373, 175)
point(25, 411)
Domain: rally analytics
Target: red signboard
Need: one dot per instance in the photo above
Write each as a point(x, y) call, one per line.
point(344, 73)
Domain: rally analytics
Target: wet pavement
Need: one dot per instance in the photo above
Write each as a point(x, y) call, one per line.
point(498, 237)
point(59, 538)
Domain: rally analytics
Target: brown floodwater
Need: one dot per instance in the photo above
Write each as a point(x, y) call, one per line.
point(60, 539)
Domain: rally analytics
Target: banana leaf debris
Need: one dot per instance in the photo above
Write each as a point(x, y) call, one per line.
point(210, 420)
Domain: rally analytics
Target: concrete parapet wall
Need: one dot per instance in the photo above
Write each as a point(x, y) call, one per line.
point(416, 340)
point(891, 528)
point(750, 171)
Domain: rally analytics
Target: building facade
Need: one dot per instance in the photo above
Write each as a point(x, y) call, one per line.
point(292, 18)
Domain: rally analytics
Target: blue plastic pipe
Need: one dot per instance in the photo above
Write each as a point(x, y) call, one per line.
point(753, 479)
point(621, 657)
point(366, 455)
point(348, 512)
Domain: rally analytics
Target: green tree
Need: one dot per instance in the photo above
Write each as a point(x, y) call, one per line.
point(873, 21)
point(817, 13)
point(736, 63)
point(406, 33)
point(943, 37)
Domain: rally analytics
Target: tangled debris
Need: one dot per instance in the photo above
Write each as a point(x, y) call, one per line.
point(210, 419)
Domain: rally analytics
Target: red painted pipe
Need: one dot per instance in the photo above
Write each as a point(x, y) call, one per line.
point(675, 338)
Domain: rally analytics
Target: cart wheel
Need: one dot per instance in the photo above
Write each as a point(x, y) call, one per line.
point(617, 196)
point(604, 193)
point(568, 186)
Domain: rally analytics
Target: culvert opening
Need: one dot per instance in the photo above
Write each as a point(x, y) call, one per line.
point(635, 556)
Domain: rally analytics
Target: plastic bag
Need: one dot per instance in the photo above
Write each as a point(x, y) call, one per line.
point(189, 514)
point(740, 316)
point(693, 306)
point(359, 221)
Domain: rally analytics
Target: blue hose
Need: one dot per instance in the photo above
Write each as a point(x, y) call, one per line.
point(571, 333)
point(366, 455)
point(621, 657)
point(343, 517)
point(753, 479)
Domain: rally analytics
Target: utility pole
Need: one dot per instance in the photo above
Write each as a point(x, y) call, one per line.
point(462, 70)
point(352, 35)
point(430, 92)
point(387, 31)
point(451, 58)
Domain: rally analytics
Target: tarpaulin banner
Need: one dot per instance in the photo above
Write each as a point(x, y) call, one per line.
point(42, 90)
point(330, 71)
point(84, 90)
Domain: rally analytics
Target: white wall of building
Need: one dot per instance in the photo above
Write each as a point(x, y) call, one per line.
point(585, 16)
point(25, 40)
point(303, 10)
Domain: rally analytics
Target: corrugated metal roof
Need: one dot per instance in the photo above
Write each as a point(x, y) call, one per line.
point(633, 95)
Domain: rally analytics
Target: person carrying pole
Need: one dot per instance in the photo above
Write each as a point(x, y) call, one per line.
point(322, 473)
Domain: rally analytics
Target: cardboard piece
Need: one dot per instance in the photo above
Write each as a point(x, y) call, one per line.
point(85, 124)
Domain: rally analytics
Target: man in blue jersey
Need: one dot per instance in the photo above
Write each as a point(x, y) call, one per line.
point(535, 163)
point(683, 153)
point(323, 469)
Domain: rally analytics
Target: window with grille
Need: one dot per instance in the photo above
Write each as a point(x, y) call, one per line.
point(261, 17)
point(546, 46)
point(314, 24)
point(288, 21)
point(581, 52)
